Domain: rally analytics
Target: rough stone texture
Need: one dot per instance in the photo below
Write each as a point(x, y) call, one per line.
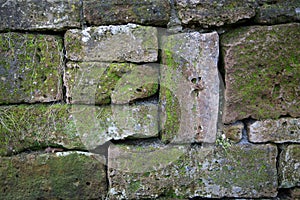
point(104, 83)
point(64, 175)
point(39, 15)
point(278, 131)
point(295, 193)
point(189, 87)
point(38, 126)
point(234, 132)
point(132, 43)
point(149, 12)
point(73, 127)
point(97, 125)
point(279, 12)
point(30, 68)
point(262, 65)
point(214, 13)
point(289, 167)
point(149, 171)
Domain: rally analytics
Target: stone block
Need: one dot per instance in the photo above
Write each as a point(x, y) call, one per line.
point(152, 170)
point(209, 13)
point(262, 65)
point(124, 43)
point(30, 68)
point(63, 175)
point(39, 15)
point(277, 131)
point(278, 12)
point(104, 83)
point(289, 167)
point(189, 87)
point(234, 132)
point(72, 127)
point(148, 12)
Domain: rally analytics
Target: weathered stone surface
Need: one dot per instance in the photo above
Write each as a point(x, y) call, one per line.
point(30, 68)
point(189, 87)
point(35, 127)
point(39, 15)
point(234, 132)
point(98, 125)
point(295, 193)
point(72, 127)
point(214, 13)
point(149, 171)
point(278, 131)
point(132, 43)
point(104, 83)
point(149, 12)
point(289, 167)
point(64, 175)
point(262, 65)
point(279, 12)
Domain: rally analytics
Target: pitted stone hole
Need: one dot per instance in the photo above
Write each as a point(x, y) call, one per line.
point(292, 132)
point(88, 183)
point(139, 90)
point(284, 123)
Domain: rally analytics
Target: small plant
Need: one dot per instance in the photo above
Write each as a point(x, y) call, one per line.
point(223, 142)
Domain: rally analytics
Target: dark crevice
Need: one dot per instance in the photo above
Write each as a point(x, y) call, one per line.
point(280, 148)
point(34, 103)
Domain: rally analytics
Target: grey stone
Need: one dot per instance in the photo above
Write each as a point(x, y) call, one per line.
point(234, 132)
point(209, 13)
point(39, 15)
point(82, 127)
point(189, 87)
point(257, 86)
point(132, 43)
point(289, 167)
point(104, 83)
point(279, 12)
point(30, 68)
point(278, 131)
point(63, 175)
point(149, 12)
point(152, 170)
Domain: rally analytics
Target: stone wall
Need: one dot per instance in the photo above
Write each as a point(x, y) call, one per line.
point(154, 99)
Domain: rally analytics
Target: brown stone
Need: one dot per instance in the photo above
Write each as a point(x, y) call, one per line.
point(148, 12)
point(189, 87)
point(278, 131)
point(262, 65)
point(234, 132)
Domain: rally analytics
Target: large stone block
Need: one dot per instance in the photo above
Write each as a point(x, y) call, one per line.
point(151, 170)
point(73, 127)
point(209, 13)
point(30, 68)
point(39, 15)
point(278, 131)
point(149, 12)
point(278, 12)
point(132, 43)
point(63, 175)
point(189, 87)
point(104, 83)
point(262, 65)
point(289, 167)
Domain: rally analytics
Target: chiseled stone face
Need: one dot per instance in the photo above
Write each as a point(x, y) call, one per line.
point(277, 12)
point(62, 175)
point(30, 68)
point(104, 83)
point(151, 170)
point(150, 12)
point(124, 43)
point(262, 65)
point(73, 127)
point(209, 13)
point(289, 167)
point(189, 87)
point(39, 15)
point(278, 131)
